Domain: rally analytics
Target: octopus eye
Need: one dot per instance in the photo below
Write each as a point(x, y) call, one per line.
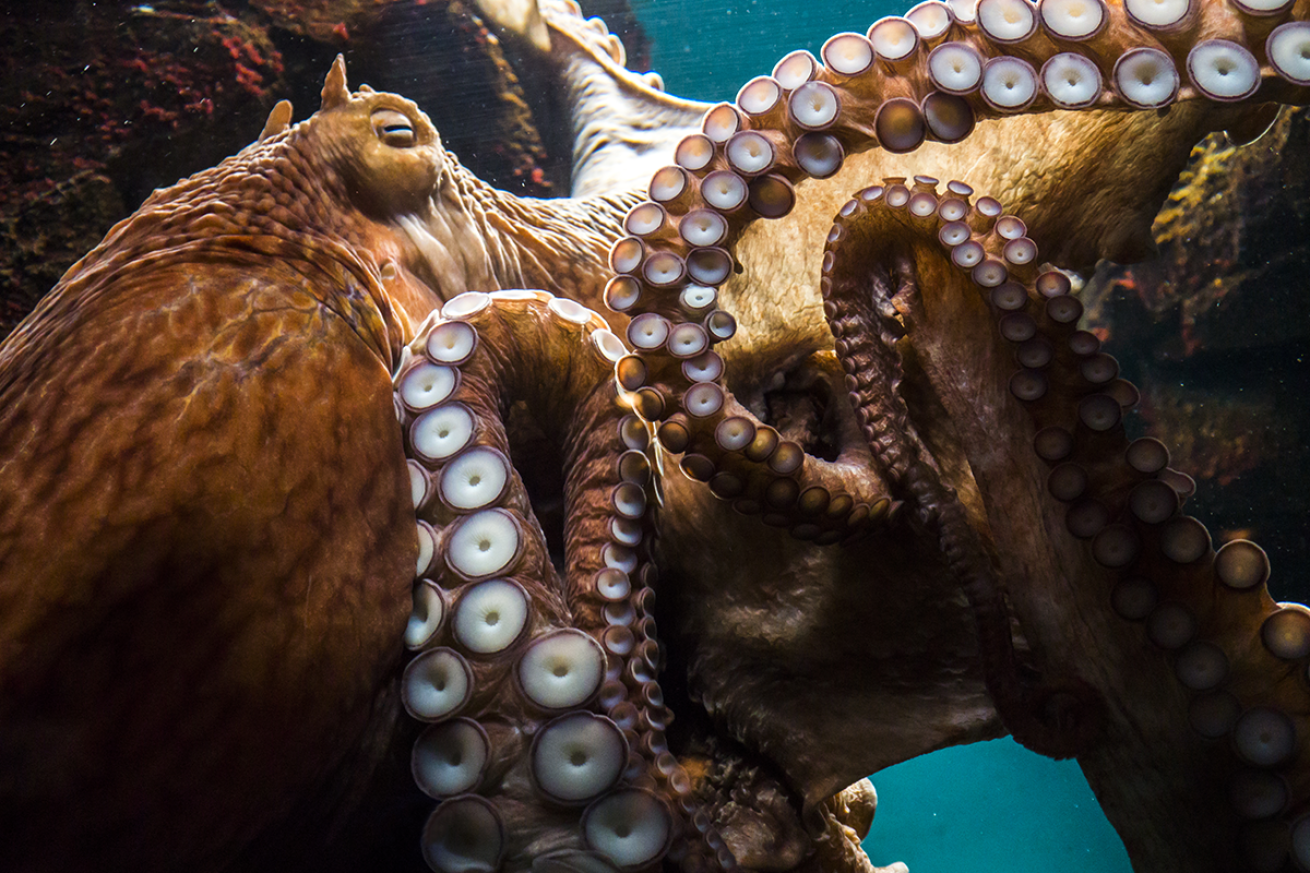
point(394, 129)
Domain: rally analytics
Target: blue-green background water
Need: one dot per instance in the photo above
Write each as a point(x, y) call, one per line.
point(990, 807)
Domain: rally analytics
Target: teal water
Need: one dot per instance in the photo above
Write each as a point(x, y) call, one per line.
point(707, 50)
point(990, 807)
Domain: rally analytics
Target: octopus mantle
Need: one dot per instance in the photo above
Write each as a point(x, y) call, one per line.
point(319, 547)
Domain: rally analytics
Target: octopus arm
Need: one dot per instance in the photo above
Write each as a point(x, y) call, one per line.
point(1149, 632)
point(973, 389)
point(548, 684)
point(624, 125)
point(548, 747)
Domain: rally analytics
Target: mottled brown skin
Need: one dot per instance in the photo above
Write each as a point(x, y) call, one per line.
point(782, 330)
point(187, 601)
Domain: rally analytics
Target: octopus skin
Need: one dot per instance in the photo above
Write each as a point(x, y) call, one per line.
point(231, 599)
point(208, 572)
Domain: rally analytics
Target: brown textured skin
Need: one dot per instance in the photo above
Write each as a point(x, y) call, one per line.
point(187, 598)
point(886, 650)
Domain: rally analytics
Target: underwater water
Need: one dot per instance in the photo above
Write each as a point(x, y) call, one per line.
point(989, 807)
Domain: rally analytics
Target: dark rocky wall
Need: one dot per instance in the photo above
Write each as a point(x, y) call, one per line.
point(1216, 332)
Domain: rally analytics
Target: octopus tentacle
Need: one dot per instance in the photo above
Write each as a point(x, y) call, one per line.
point(894, 88)
point(1198, 606)
point(548, 717)
point(721, 442)
point(884, 243)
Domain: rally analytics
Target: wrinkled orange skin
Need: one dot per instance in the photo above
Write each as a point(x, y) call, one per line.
point(206, 529)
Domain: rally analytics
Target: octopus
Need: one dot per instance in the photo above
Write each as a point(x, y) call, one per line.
point(355, 514)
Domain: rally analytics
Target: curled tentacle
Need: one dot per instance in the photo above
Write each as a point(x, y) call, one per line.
point(1239, 701)
point(548, 715)
point(677, 380)
point(886, 244)
point(933, 76)
point(929, 76)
